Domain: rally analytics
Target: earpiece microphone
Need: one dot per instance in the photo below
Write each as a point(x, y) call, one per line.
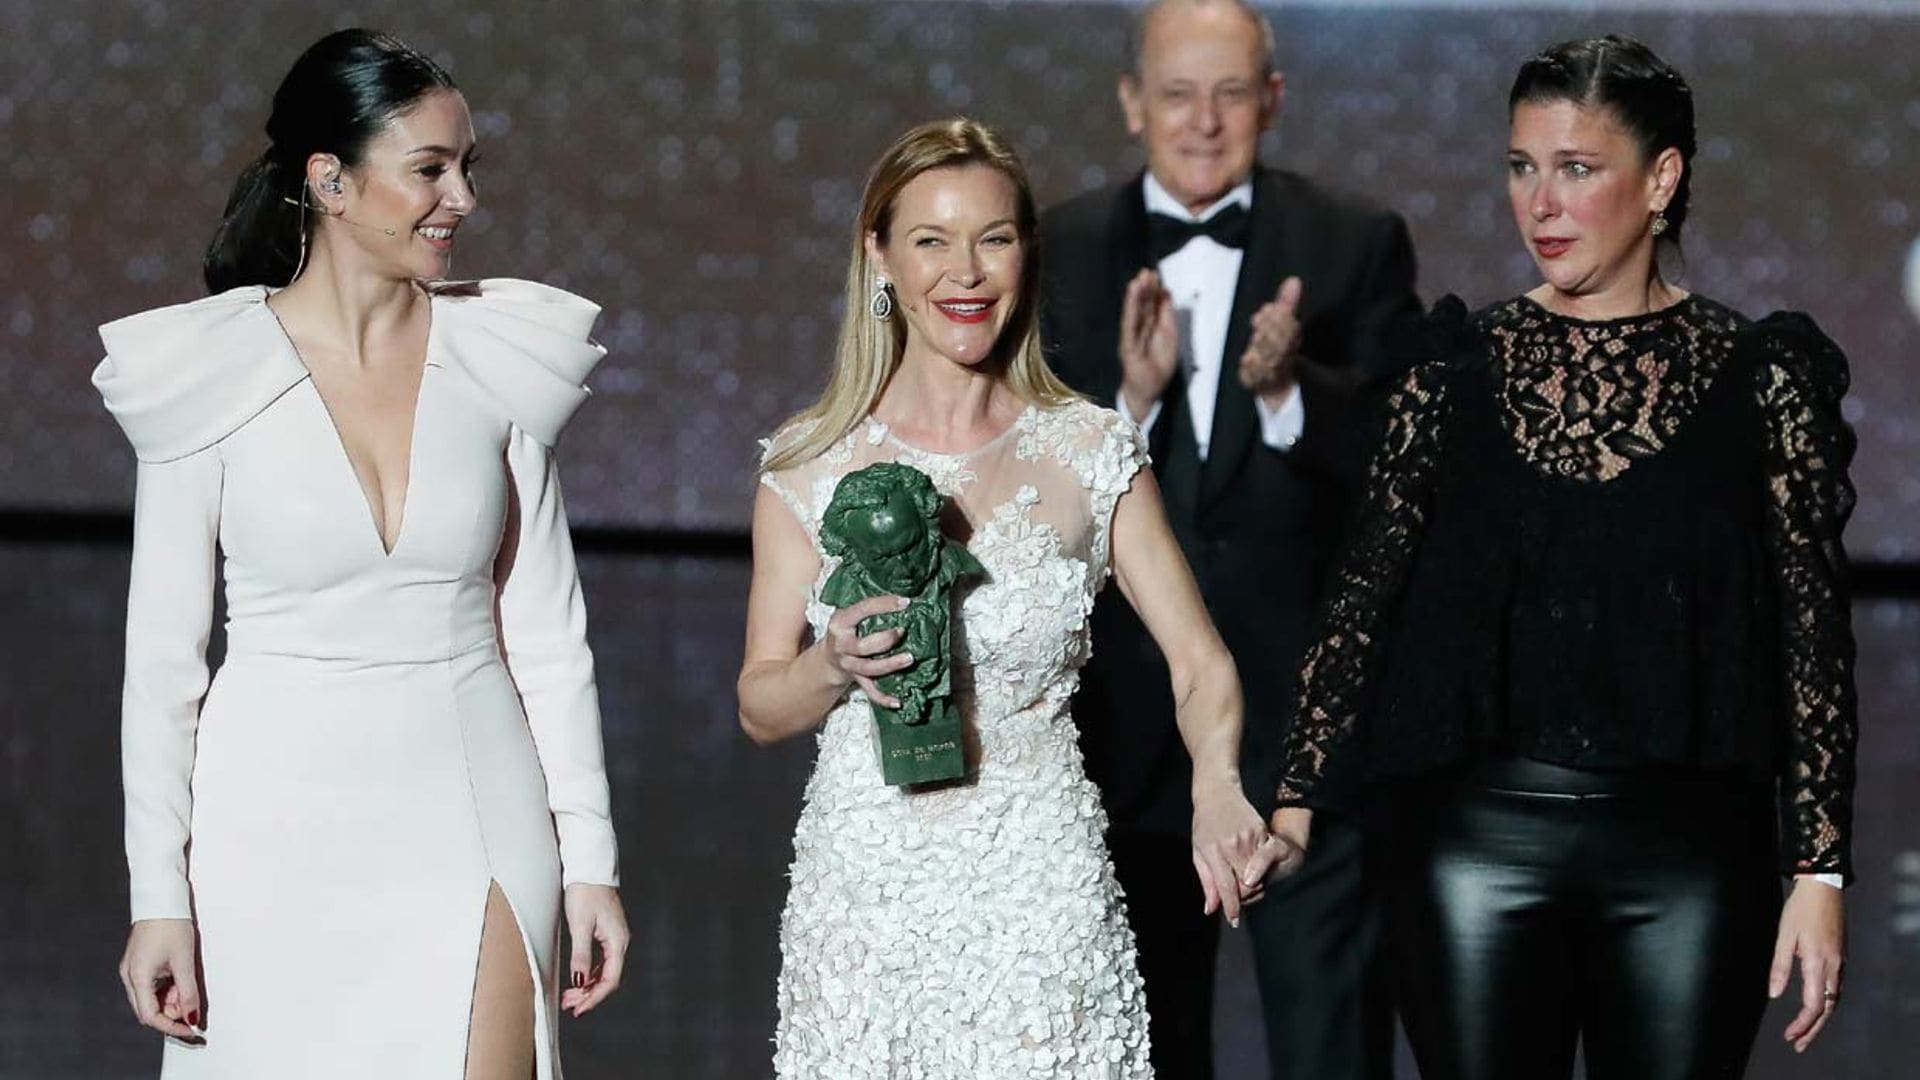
point(331, 185)
point(345, 220)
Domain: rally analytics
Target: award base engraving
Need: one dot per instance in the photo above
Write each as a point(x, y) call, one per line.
point(921, 753)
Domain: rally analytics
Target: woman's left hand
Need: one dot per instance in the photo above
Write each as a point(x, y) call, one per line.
point(1813, 930)
point(594, 916)
point(1231, 850)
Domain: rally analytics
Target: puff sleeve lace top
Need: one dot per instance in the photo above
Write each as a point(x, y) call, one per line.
point(1611, 544)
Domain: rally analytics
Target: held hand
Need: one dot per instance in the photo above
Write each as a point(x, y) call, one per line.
point(860, 660)
point(1149, 343)
point(1291, 828)
point(1230, 852)
point(594, 916)
point(159, 975)
point(1813, 929)
point(1267, 367)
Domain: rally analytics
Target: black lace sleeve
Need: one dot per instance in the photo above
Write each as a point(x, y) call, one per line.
point(1801, 379)
point(1385, 534)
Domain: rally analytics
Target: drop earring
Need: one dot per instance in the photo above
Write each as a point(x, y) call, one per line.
point(1659, 222)
point(881, 306)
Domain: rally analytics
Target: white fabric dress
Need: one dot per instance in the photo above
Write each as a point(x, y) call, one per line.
point(974, 930)
point(388, 733)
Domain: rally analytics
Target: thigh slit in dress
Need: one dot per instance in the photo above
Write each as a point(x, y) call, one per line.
point(391, 733)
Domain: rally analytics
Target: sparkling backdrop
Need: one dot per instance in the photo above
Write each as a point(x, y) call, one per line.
point(695, 166)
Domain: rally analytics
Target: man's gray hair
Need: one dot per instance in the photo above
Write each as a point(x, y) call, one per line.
point(1142, 16)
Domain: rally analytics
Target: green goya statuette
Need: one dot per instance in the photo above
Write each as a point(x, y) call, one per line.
point(884, 525)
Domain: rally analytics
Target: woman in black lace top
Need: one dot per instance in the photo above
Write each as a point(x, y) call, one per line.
point(1593, 630)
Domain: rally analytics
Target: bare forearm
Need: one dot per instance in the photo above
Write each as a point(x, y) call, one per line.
point(783, 698)
point(1207, 709)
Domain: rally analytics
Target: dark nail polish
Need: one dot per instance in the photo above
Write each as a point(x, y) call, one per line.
point(579, 980)
point(194, 1018)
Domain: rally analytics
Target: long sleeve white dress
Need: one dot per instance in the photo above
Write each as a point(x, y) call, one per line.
point(972, 929)
point(389, 733)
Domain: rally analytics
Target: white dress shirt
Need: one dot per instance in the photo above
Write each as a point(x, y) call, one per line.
point(1202, 277)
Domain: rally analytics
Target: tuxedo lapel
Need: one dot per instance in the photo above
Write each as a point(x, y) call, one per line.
point(1127, 230)
point(1236, 424)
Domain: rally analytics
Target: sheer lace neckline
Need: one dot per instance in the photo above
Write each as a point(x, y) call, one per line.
point(879, 431)
point(1619, 322)
point(1586, 399)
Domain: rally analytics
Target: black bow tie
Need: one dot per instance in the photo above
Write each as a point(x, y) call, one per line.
point(1167, 234)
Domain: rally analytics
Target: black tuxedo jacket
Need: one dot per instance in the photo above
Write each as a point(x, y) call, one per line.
point(1259, 526)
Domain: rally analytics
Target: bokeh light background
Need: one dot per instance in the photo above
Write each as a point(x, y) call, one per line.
point(694, 166)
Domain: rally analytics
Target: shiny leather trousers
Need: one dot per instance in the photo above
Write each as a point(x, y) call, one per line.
point(1531, 908)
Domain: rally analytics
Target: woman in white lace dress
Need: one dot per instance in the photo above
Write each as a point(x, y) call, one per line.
point(971, 929)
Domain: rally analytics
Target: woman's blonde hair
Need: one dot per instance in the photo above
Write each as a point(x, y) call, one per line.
point(869, 349)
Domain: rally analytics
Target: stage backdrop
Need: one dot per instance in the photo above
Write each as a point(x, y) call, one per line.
point(695, 166)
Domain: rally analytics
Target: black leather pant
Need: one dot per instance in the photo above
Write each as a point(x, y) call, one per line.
point(1531, 907)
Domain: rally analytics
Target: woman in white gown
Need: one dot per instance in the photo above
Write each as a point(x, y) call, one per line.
point(348, 851)
point(974, 928)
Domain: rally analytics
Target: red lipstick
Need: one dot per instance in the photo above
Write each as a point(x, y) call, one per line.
point(966, 309)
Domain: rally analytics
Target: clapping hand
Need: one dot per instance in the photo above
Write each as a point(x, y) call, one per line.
point(1149, 343)
point(1267, 367)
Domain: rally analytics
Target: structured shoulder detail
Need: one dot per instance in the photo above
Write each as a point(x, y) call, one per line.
point(1451, 339)
point(1450, 327)
point(1793, 341)
point(180, 378)
point(525, 345)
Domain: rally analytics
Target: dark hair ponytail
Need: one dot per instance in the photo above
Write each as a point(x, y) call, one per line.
point(335, 99)
point(258, 240)
point(1649, 98)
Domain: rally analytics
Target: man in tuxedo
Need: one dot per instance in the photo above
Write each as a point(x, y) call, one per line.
point(1240, 315)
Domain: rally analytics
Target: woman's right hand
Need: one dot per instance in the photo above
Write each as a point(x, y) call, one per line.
point(158, 972)
point(859, 660)
point(1812, 939)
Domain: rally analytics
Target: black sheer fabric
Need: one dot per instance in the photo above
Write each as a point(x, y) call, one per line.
point(1606, 545)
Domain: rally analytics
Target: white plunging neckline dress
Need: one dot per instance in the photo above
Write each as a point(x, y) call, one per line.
point(390, 732)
